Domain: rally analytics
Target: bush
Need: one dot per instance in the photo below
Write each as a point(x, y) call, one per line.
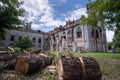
point(24, 43)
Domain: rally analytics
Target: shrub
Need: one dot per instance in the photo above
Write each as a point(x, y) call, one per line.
point(24, 43)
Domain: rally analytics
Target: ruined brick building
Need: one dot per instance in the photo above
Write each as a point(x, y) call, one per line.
point(71, 37)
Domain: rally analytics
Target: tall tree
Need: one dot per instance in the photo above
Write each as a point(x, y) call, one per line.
point(105, 11)
point(10, 11)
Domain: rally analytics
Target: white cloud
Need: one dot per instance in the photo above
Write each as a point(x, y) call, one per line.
point(76, 14)
point(40, 11)
point(36, 26)
point(55, 23)
point(78, 6)
point(110, 35)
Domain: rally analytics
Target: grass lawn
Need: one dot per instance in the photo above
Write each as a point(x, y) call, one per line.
point(95, 55)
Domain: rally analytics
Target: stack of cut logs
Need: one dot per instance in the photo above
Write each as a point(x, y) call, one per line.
point(78, 68)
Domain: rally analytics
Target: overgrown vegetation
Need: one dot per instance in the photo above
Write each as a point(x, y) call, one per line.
point(10, 11)
point(10, 16)
point(24, 43)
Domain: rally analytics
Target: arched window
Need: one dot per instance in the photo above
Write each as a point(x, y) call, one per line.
point(79, 32)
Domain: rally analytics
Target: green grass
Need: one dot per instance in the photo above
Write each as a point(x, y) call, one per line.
point(95, 55)
point(100, 55)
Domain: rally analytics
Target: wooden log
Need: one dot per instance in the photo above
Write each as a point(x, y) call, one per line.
point(46, 60)
point(27, 65)
point(79, 68)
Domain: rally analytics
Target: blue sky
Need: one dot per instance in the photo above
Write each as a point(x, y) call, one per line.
point(48, 14)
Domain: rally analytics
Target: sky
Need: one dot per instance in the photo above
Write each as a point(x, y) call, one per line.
point(45, 15)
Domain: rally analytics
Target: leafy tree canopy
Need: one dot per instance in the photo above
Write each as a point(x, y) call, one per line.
point(105, 11)
point(10, 11)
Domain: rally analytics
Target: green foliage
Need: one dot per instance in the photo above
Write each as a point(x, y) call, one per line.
point(105, 11)
point(110, 44)
point(116, 39)
point(24, 43)
point(10, 11)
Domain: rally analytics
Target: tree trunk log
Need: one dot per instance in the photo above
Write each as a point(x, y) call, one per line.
point(29, 65)
point(79, 68)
